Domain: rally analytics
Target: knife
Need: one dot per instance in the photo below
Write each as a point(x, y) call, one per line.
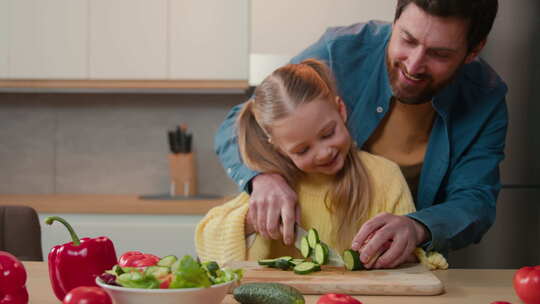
point(334, 259)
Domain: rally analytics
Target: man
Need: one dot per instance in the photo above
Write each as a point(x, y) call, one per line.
point(417, 94)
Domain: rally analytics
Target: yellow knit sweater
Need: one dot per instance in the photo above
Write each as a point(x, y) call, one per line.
point(220, 234)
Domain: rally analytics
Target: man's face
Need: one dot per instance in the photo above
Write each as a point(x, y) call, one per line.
point(424, 54)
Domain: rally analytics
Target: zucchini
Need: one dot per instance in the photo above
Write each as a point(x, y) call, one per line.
point(321, 254)
point(267, 293)
point(313, 237)
point(351, 258)
point(306, 267)
point(304, 247)
point(167, 261)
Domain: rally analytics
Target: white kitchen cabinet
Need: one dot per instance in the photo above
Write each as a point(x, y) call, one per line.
point(47, 39)
point(208, 39)
point(128, 39)
point(157, 234)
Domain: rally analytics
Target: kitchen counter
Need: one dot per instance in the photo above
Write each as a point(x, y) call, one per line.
point(462, 286)
point(109, 204)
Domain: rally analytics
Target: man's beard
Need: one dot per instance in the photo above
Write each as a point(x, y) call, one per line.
point(411, 95)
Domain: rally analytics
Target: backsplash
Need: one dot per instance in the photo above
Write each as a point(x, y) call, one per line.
point(106, 143)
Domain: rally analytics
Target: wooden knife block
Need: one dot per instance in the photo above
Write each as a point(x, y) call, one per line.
point(183, 174)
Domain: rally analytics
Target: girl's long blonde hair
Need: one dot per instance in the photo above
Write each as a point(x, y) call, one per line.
point(276, 97)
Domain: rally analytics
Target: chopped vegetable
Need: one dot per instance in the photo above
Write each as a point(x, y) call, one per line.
point(351, 258)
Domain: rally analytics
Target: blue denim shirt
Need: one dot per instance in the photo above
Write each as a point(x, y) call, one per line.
point(459, 182)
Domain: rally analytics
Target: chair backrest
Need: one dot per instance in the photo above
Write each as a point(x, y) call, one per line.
point(20, 232)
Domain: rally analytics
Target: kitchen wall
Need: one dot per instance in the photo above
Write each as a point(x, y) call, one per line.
point(105, 143)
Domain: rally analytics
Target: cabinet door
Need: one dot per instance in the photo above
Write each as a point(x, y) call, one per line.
point(209, 39)
point(128, 39)
point(47, 39)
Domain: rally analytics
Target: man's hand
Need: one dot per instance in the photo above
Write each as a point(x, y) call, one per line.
point(403, 232)
point(273, 208)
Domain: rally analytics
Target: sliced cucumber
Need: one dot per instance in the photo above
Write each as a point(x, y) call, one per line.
point(267, 262)
point(211, 267)
point(321, 254)
point(282, 264)
point(297, 261)
point(286, 258)
point(351, 258)
point(306, 267)
point(313, 237)
point(167, 261)
point(157, 272)
point(304, 247)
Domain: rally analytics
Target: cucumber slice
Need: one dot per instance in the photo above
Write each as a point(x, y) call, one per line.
point(306, 267)
point(304, 247)
point(282, 264)
point(157, 272)
point(297, 261)
point(313, 238)
point(286, 258)
point(267, 262)
point(321, 254)
point(167, 261)
point(211, 267)
point(351, 258)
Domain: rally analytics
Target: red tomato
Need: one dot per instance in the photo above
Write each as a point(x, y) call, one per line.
point(137, 259)
point(336, 298)
point(527, 284)
point(87, 295)
point(19, 296)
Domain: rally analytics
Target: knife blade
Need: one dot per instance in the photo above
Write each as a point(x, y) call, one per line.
point(334, 259)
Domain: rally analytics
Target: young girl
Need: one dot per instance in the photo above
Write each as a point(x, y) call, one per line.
point(295, 127)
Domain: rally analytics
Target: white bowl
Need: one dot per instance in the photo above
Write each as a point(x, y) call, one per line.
point(211, 295)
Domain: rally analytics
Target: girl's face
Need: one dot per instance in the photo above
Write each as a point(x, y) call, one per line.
point(314, 136)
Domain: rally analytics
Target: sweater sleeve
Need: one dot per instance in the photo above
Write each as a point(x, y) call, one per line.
point(220, 235)
point(399, 201)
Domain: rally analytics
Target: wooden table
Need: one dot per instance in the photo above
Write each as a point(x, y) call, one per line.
point(463, 286)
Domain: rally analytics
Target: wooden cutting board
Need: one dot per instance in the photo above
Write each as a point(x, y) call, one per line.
point(410, 279)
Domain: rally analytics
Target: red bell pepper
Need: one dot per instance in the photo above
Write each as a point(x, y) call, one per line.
point(527, 284)
point(12, 280)
point(137, 259)
point(79, 262)
point(87, 295)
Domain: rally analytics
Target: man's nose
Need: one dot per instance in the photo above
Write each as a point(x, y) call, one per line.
point(415, 63)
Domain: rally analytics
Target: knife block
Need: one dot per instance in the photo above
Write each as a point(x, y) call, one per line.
point(183, 174)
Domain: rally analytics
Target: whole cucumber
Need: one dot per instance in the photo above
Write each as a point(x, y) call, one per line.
point(267, 293)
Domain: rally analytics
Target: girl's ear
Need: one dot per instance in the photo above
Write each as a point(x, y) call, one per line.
point(341, 108)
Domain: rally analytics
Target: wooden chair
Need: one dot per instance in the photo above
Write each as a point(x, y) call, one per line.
point(20, 232)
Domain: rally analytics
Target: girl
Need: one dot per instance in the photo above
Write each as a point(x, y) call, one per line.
point(295, 127)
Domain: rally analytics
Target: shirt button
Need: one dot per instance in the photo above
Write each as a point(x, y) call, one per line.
point(380, 109)
point(229, 170)
point(241, 182)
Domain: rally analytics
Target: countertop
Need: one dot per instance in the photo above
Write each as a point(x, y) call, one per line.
point(109, 204)
point(462, 286)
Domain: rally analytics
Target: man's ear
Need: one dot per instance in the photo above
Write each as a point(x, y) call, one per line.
point(342, 108)
point(475, 51)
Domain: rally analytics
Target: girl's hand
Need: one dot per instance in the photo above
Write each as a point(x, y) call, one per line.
point(403, 232)
point(273, 204)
